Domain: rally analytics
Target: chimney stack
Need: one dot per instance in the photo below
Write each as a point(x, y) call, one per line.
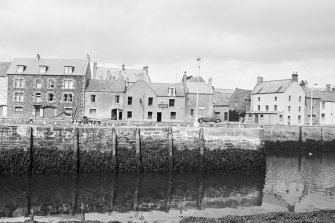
point(123, 67)
point(38, 57)
point(329, 87)
point(146, 70)
point(295, 77)
point(88, 58)
point(210, 80)
point(259, 80)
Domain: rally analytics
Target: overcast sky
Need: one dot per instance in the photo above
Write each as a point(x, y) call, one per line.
point(237, 40)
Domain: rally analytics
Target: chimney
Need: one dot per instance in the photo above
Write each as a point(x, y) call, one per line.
point(123, 67)
point(146, 70)
point(184, 77)
point(37, 57)
point(88, 58)
point(210, 80)
point(259, 80)
point(329, 87)
point(294, 77)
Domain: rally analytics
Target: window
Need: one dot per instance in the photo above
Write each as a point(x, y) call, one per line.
point(259, 98)
point(288, 119)
point(171, 91)
point(150, 101)
point(250, 117)
point(299, 98)
point(18, 96)
point(289, 98)
point(289, 108)
point(225, 117)
point(51, 83)
point(130, 100)
point(129, 114)
point(68, 111)
point(323, 105)
point(92, 98)
point(267, 107)
point(280, 117)
point(68, 84)
point(171, 102)
point(149, 115)
point(117, 99)
point(68, 69)
point(50, 97)
point(20, 68)
point(275, 107)
point(299, 118)
point(259, 107)
point(173, 115)
point(38, 83)
point(323, 116)
point(275, 98)
point(192, 112)
point(299, 109)
point(68, 97)
point(18, 109)
point(38, 97)
point(93, 111)
point(262, 117)
point(43, 69)
point(19, 83)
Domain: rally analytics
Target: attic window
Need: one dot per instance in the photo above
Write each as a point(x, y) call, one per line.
point(43, 69)
point(171, 91)
point(20, 68)
point(68, 69)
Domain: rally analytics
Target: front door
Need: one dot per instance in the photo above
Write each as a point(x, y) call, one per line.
point(120, 115)
point(159, 116)
point(114, 114)
point(37, 111)
point(256, 118)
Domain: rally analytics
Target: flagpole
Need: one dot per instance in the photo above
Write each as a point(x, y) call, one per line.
point(196, 123)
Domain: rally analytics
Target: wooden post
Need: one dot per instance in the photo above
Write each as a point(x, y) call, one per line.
point(76, 155)
point(31, 149)
point(300, 134)
point(138, 150)
point(114, 149)
point(201, 146)
point(170, 139)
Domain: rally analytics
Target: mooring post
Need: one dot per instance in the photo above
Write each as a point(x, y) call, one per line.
point(201, 146)
point(170, 139)
point(31, 149)
point(114, 149)
point(76, 154)
point(138, 149)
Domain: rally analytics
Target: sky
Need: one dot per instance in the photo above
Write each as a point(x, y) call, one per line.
point(237, 40)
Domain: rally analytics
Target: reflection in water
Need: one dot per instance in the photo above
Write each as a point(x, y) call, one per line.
point(138, 193)
point(302, 183)
point(297, 183)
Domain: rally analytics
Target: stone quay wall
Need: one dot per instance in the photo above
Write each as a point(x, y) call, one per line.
point(76, 149)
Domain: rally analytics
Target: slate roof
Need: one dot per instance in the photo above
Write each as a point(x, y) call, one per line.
point(133, 75)
point(204, 88)
point(275, 86)
point(194, 79)
point(54, 66)
point(4, 68)
point(161, 89)
point(106, 85)
point(323, 95)
point(222, 96)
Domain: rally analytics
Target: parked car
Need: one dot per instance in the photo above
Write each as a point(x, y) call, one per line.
point(210, 119)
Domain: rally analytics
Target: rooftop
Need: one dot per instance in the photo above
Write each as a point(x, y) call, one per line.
point(161, 89)
point(106, 85)
point(204, 88)
point(222, 96)
point(274, 86)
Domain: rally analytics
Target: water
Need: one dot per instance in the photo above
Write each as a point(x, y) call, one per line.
point(289, 183)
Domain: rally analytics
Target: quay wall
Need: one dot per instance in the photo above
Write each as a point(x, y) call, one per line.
point(77, 149)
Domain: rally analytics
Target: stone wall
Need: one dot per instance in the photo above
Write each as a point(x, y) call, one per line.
point(54, 149)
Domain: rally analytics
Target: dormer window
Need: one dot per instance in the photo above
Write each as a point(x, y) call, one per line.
point(43, 69)
point(20, 68)
point(171, 91)
point(68, 69)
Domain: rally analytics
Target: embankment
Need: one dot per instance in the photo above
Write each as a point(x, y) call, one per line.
point(56, 149)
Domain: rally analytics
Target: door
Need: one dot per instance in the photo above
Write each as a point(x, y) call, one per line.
point(120, 115)
point(114, 114)
point(159, 116)
point(256, 118)
point(37, 111)
point(1, 111)
point(49, 112)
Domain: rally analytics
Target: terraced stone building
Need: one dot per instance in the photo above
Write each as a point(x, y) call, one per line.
point(40, 88)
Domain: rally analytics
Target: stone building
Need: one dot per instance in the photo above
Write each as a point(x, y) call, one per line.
point(104, 99)
point(155, 102)
point(3, 88)
point(221, 103)
point(123, 73)
point(239, 104)
point(47, 88)
point(277, 102)
point(205, 97)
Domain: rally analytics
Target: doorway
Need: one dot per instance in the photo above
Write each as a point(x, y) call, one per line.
point(120, 115)
point(159, 116)
point(256, 118)
point(37, 111)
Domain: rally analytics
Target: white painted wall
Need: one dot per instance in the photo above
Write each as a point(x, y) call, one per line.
point(329, 111)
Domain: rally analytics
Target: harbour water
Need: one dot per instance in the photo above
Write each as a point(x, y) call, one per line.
point(295, 183)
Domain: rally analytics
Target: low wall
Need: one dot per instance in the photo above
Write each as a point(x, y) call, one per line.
point(54, 149)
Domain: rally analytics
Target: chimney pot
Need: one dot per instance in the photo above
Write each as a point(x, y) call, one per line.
point(259, 80)
point(294, 77)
